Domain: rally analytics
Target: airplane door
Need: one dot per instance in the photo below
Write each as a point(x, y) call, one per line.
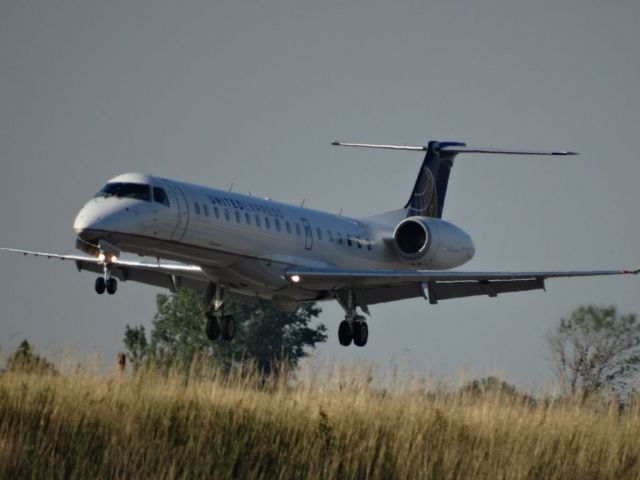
point(308, 234)
point(179, 199)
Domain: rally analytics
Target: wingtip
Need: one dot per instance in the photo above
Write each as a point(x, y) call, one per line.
point(635, 271)
point(565, 152)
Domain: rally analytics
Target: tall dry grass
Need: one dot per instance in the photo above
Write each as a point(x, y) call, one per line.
point(332, 426)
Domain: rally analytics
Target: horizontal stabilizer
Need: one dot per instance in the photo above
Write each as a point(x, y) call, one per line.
point(455, 148)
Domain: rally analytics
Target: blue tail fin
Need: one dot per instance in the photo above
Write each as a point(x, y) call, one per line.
point(430, 189)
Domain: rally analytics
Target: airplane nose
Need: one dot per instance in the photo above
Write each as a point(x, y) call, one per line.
point(94, 218)
point(85, 223)
point(100, 217)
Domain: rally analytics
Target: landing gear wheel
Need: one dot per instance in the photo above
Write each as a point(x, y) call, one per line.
point(228, 327)
point(213, 327)
point(112, 286)
point(101, 285)
point(360, 333)
point(345, 333)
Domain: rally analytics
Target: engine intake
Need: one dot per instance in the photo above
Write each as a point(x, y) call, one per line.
point(412, 238)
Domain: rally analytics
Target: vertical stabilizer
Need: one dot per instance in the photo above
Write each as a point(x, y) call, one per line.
point(430, 189)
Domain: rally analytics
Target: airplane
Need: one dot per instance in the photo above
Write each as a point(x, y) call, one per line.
point(229, 245)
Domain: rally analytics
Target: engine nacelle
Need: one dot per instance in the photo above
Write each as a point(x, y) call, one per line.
point(432, 243)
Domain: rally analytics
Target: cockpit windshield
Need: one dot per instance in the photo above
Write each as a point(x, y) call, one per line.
point(138, 191)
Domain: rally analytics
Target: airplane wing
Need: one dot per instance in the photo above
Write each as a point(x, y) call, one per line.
point(165, 275)
point(378, 286)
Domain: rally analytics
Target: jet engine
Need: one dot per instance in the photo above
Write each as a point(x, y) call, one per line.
point(432, 243)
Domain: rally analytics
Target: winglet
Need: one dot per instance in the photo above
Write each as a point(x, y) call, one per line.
point(631, 272)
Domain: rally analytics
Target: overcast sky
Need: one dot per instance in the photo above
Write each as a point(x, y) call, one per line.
point(252, 93)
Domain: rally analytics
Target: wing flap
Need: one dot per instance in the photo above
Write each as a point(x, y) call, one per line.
point(379, 286)
point(353, 277)
point(446, 290)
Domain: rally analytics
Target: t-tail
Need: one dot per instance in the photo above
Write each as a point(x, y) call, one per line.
point(430, 188)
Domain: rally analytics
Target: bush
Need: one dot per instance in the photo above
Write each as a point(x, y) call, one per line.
point(25, 360)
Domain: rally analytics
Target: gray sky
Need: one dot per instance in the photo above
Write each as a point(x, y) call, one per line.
point(252, 93)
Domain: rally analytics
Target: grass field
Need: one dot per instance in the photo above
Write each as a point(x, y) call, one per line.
point(148, 426)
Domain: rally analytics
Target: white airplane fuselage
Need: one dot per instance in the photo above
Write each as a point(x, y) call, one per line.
point(248, 243)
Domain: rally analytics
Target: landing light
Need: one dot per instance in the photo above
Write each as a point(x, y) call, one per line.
point(101, 257)
point(295, 278)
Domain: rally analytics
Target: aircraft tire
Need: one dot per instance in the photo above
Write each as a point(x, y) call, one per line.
point(345, 333)
point(360, 333)
point(101, 285)
point(112, 286)
point(228, 327)
point(213, 327)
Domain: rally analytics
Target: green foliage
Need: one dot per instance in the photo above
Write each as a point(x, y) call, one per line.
point(268, 335)
point(25, 360)
point(265, 336)
point(135, 341)
point(495, 387)
point(595, 349)
point(178, 328)
point(489, 385)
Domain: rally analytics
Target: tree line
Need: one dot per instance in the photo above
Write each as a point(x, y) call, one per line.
point(593, 351)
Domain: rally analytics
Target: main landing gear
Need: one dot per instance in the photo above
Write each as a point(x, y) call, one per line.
point(354, 327)
point(106, 282)
point(217, 324)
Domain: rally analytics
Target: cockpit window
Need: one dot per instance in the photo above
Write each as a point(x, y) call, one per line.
point(109, 190)
point(135, 190)
point(127, 190)
point(160, 196)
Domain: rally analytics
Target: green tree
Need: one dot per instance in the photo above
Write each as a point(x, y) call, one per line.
point(25, 360)
point(595, 348)
point(135, 342)
point(264, 335)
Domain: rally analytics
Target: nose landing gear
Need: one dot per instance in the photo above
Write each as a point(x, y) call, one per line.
point(106, 282)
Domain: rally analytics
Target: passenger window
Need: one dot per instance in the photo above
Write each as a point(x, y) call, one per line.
point(339, 238)
point(349, 242)
point(277, 222)
point(359, 242)
point(298, 229)
point(369, 244)
point(267, 223)
point(247, 218)
point(160, 196)
point(319, 232)
point(197, 207)
point(288, 225)
point(258, 221)
point(237, 216)
point(216, 212)
point(206, 210)
point(330, 235)
point(227, 215)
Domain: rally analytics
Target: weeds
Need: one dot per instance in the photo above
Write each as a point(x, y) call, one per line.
point(238, 425)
